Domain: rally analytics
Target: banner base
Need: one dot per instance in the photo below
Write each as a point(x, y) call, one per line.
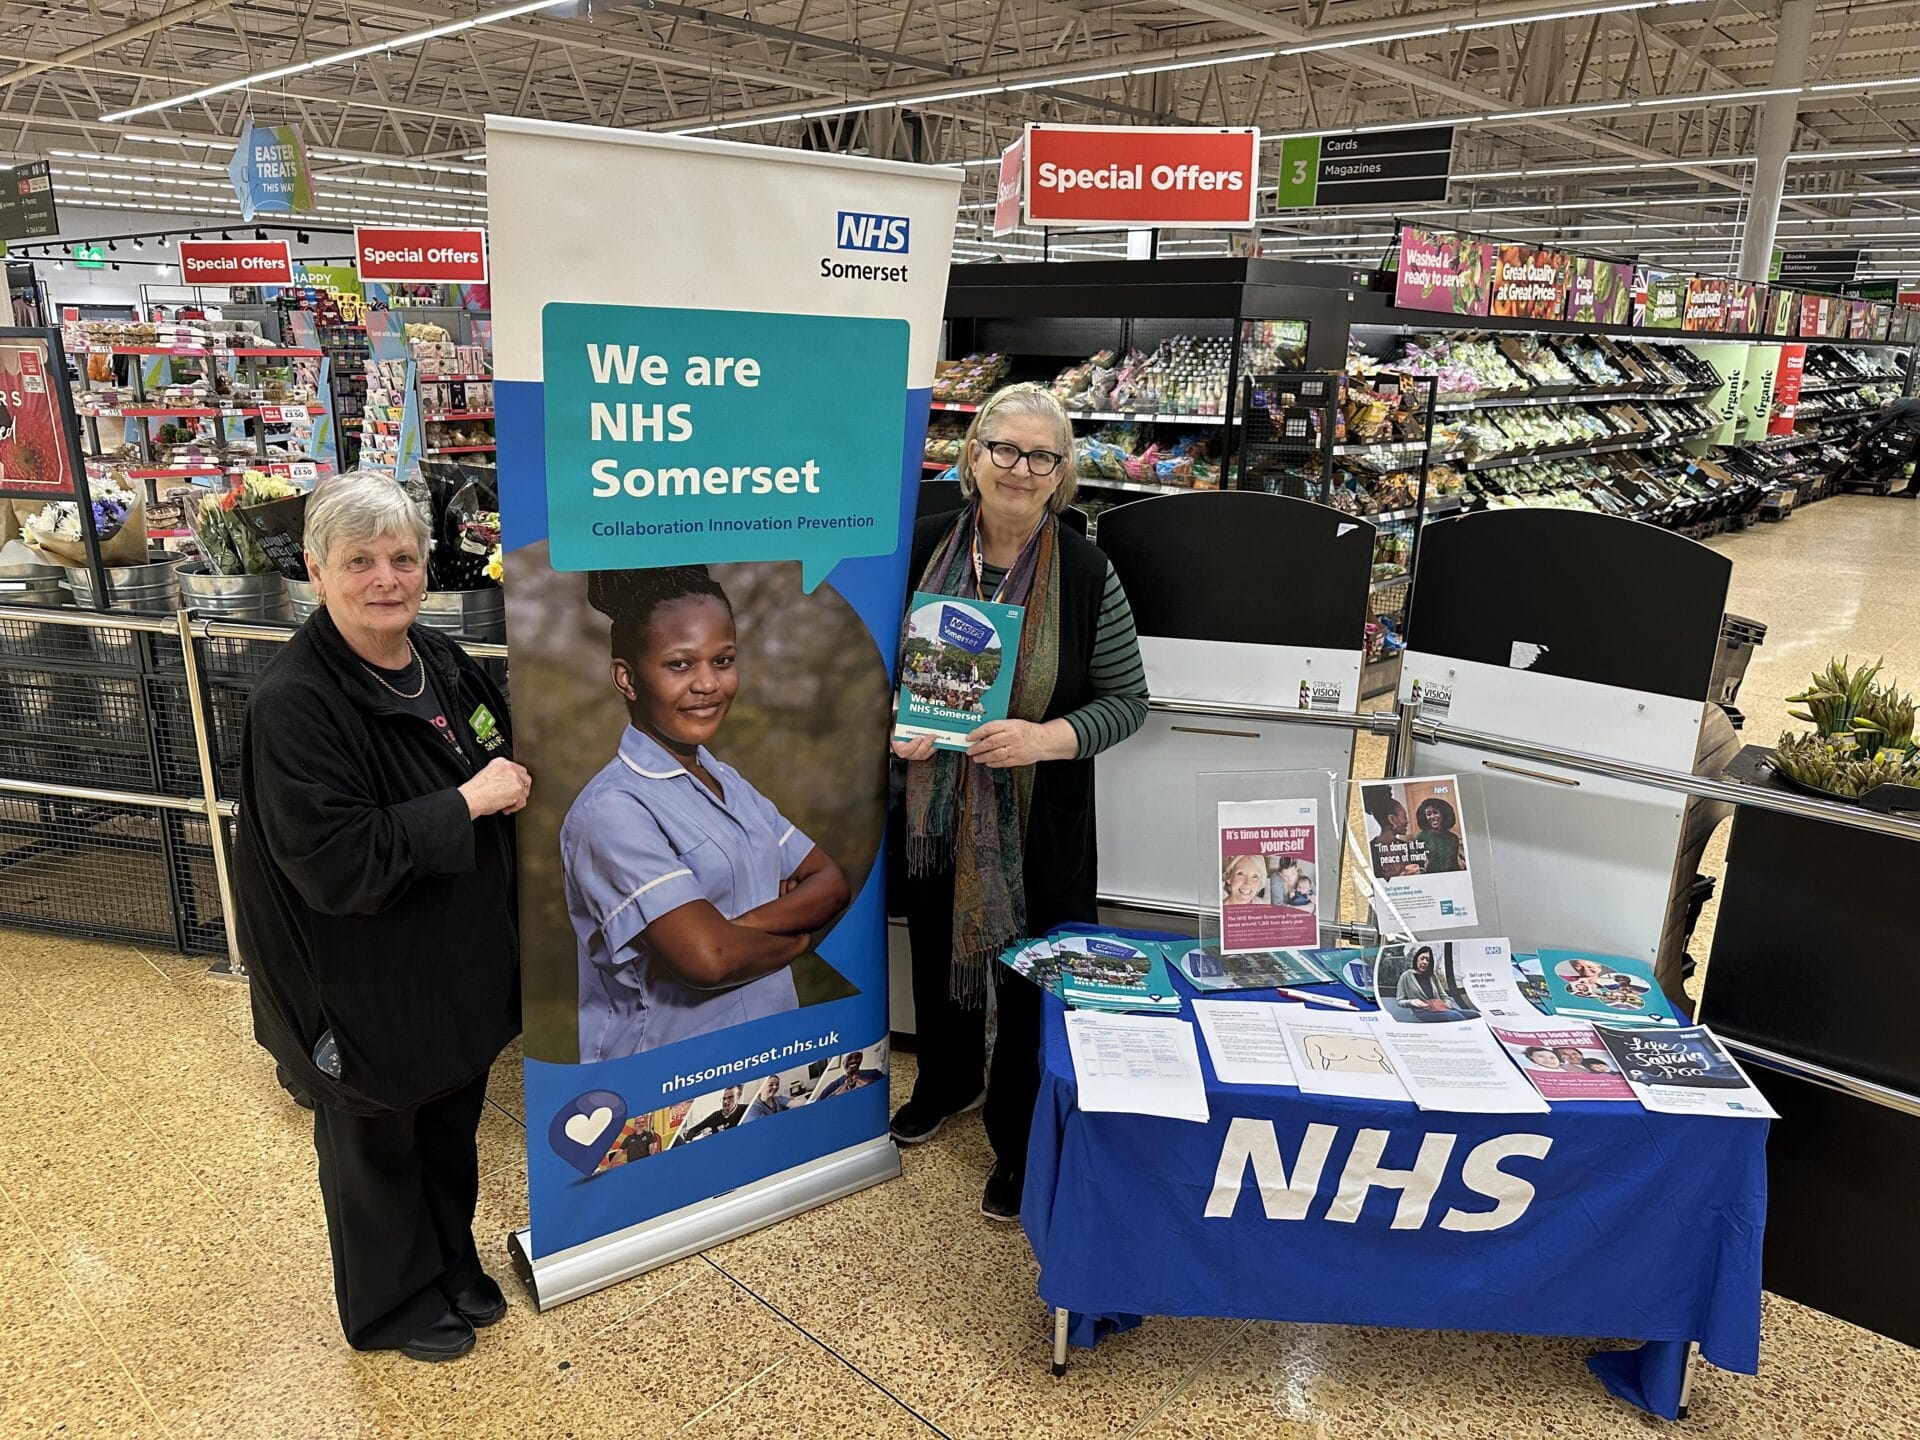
point(569, 1274)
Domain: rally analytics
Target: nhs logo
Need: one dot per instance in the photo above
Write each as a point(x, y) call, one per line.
point(872, 232)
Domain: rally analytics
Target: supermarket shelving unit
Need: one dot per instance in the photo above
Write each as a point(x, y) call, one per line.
point(150, 368)
point(1045, 318)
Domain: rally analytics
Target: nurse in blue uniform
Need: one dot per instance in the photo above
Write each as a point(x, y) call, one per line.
point(690, 895)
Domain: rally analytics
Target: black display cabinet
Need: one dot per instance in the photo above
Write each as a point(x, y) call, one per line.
point(1810, 956)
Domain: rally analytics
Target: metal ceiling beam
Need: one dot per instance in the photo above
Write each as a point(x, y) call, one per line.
point(1466, 96)
point(164, 20)
point(716, 21)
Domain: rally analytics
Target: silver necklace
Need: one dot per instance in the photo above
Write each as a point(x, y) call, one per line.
point(418, 690)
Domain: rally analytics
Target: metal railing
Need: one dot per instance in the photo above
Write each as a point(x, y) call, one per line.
point(1403, 727)
point(22, 631)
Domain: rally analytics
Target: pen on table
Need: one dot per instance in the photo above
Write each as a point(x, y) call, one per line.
point(1314, 999)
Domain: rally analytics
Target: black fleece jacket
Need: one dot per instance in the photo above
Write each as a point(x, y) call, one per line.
point(367, 902)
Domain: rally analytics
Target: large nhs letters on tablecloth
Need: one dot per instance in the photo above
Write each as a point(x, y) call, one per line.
point(709, 355)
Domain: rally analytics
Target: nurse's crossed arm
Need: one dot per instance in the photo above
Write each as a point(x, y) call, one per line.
point(706, 951)
point(642, 889)
point(811, 899)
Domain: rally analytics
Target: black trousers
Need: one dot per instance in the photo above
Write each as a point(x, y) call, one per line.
point(400, 1189)
point(951, 1039)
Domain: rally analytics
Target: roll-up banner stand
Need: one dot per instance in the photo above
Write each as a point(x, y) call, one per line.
point(713, 368)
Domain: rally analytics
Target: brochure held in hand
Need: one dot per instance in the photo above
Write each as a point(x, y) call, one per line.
point(956, 668)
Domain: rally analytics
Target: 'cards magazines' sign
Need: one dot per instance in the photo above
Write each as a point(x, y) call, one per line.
point(235, 262)
point(1105, 175)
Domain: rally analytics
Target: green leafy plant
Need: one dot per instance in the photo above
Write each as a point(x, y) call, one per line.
point(1863, 733)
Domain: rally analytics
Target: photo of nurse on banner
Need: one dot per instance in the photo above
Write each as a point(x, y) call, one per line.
point(710, 807)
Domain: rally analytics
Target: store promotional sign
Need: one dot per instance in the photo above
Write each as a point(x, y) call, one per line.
point(1729, 358)
point(1783, 311)
point(1013, 172)
point(1757, 390)
point(1392, 167)
point(1529, 284)
point(1599, 292)
point(269, 172)
point(1746, 305)
point(1092, 176)
point(342, 279)
point(235, 262)
point(1706, 305)
point(420, 255)
point(1660, 301)
point(26, 202)
point(34, 451)
point(712, 419)
point(1788, 375)
point(1442, 271)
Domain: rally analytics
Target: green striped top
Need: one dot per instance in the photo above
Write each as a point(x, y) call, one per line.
point(1118, 676)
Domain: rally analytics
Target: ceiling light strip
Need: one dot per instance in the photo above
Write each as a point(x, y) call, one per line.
point(341, 57)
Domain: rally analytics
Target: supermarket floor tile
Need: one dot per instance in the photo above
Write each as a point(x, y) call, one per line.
point(168, 1273)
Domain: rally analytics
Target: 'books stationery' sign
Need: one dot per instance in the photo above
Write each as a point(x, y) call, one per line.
point(954, 670)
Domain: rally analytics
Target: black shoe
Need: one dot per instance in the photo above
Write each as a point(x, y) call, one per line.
point(481, 1303)
point(1002, 1198)
point(916, 1121)
point(447, 1338)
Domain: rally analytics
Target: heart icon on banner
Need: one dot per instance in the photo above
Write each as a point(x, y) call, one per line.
point(585, 1129)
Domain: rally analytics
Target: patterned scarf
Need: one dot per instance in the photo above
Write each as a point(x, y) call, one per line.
point(968, 815)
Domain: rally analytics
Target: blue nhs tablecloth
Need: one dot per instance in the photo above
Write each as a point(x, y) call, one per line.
point(1630, 1225)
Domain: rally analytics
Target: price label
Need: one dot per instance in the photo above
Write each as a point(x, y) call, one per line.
point(100, 349)
point(303, 470)
point(106, 414)
point(282, 414)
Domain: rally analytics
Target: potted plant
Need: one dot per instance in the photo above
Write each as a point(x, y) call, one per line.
point(1862, 749)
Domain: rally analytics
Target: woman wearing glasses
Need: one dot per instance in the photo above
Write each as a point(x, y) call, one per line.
point(1000, 840)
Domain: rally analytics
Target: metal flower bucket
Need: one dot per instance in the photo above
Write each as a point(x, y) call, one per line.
point(234, 597)
point(472, 614)
point(149, 589)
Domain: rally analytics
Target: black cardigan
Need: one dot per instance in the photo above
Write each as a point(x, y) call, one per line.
point(1062, 869)
point(367, 902)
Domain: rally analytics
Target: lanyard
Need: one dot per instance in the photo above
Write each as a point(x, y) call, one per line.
point(979, 565)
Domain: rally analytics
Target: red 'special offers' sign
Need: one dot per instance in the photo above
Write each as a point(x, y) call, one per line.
point(410, 255)
point(1006, 205)
point(1105, 175)
point(235, 262)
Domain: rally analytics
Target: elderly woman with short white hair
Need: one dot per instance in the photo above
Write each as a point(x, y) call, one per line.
point(374, 894)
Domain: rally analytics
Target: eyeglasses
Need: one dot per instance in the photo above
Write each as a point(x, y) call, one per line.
point(1005, 455)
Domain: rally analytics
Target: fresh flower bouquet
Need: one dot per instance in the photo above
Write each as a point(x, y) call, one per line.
point(119, 520)
point(227, 545)
point(463, 512)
